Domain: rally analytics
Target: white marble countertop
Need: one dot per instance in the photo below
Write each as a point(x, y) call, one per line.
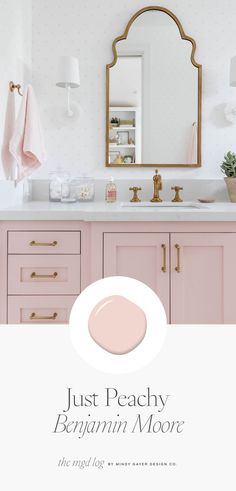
point(100, 211)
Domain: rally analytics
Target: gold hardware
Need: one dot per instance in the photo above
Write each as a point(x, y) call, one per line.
point(13, 86)
point(35, 317)
point(177, 198)
point(135, 198)
point(35, 275)
point(177, 268)
point(43, 244)
point(184, 36)
point(164, 258)
point(157, 182)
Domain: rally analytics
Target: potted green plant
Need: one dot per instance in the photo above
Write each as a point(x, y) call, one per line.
point(228, 167)
point(115, 122)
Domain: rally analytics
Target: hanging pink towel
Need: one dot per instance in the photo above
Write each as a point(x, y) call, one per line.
point(27, 144)
point(8, 160)
point(192, 150)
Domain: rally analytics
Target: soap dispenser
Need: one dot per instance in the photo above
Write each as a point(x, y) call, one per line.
point(111, 192)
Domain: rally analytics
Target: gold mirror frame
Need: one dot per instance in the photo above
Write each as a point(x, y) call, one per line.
point(199, 67)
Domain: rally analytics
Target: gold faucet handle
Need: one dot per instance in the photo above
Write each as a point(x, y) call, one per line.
point(177, 198)
point(135, 198)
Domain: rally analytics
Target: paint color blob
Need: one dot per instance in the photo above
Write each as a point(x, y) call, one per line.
point(117, 324)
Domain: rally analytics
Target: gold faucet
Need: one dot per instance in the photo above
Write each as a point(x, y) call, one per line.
point(157, 183)
point(177, 198)
point(135, 198)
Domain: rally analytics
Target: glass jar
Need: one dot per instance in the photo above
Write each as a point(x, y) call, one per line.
point(82, 189)
point(59, 185)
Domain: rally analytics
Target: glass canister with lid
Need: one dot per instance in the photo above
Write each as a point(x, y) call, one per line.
point(82, 188)
point(59, 185)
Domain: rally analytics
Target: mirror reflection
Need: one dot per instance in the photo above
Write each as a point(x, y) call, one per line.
point(153, 106)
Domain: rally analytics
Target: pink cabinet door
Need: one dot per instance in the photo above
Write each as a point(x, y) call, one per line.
point(203, 272)
point(143, 256)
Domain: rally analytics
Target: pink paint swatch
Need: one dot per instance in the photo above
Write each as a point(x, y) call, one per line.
point(117, 325)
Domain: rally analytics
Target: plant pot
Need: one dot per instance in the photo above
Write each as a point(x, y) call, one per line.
point(231, 186)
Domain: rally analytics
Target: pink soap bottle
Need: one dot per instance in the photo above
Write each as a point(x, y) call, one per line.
point(111, 192)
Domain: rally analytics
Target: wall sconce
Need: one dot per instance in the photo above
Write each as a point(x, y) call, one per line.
point(68, 76)
point(230, 108)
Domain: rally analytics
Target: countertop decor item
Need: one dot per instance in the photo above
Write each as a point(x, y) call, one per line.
point(82, 189)
point(206, 200)
point(59, 185)
point(68, 77)
point(111, 193)
point(228, 167)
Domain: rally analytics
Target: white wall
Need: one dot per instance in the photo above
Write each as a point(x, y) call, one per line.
point(170, 81)
point(15, 50)
point(86, 28)
point(126, 82)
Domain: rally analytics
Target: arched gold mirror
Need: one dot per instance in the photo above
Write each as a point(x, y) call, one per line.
point(153, 94)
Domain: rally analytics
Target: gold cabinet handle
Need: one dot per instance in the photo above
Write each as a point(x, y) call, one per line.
point(35, 317)
point(177, 268)
point(163, 268)
point(35, 275)
point(43, 244)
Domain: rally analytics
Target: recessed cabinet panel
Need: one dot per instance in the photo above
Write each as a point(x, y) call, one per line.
point(43, 274)
point(39, 309)
point(43, 242)
point(202, 278)
point(143, 256)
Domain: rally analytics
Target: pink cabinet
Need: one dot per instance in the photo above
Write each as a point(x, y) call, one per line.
point(195, 284)
point(203, 273)
point(143, 256)
point(45, 265)
point(41, 270)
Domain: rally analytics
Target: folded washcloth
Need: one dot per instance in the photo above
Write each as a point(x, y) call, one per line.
point(8, 160)
point(27, 144)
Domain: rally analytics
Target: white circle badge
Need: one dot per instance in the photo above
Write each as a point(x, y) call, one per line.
point(139, 294)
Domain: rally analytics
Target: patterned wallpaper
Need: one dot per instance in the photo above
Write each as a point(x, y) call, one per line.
point(86, 28)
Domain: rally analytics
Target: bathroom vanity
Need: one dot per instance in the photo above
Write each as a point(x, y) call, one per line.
point(51, 252)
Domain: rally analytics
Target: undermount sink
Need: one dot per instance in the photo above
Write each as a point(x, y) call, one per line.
point(164, 204)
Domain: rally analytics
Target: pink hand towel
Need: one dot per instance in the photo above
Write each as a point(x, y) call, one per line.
point(8, 160)
point(27, 144)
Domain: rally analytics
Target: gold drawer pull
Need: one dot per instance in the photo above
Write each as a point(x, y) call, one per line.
point(35, 275)
point(177, 268)
point(164, 258)
point(43, 244)
point(35, 317)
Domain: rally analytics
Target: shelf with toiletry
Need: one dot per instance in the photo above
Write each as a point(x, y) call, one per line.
point(124, 135)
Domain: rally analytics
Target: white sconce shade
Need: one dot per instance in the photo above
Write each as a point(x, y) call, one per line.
point(68, 72)
point(233, 72)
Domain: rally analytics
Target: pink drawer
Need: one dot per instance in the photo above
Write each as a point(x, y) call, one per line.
point(43, 275)
point(37, 242)
point(39, 310)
